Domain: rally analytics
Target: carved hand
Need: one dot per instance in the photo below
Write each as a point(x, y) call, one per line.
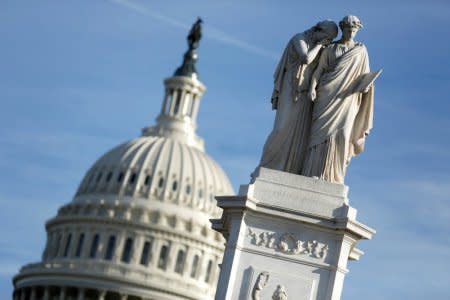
point(324, 42)
point(367, 89)
point(312, 94)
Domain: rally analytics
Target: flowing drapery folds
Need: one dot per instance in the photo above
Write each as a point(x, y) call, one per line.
point(341, 117)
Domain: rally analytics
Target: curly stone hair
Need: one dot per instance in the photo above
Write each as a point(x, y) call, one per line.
point(350, 21)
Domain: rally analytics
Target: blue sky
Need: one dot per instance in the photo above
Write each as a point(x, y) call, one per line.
point(79, 77)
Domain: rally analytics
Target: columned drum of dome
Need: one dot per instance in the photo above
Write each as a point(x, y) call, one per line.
point(138, 226)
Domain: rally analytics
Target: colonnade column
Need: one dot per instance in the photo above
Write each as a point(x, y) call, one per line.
point(186, 103)
point(123, 297)
point(171, 256)
point(103, 244)
point(172, 103)
point(33, 293)
point(46, 293)
point(195, 106)
point(87, 242)
point(101, 295)
point(154, 250)
point(216, 267)
point(182, 102)
point(80, 294)
point(166, 97)
point(120, 240)
point(201, 269)
point(62, 293)
point(137, 248)
point(188, 262)
point(23, 294)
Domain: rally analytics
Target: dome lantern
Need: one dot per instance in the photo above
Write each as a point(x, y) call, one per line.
point(181, 101)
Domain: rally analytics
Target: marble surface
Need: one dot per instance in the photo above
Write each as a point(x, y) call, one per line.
point(288, 237)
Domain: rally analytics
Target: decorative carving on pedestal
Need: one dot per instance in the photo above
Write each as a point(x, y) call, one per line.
point(288, 243)
point(280, 293)
point(260, 283)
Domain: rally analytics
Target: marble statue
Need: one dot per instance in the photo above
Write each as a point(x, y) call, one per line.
point(342, 93)
point(323, 95)
point(286, 145)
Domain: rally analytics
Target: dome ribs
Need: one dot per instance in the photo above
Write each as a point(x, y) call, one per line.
point(166, 192)
point(181, 175)
point(130, 186)
point(147, 167)
point(207, 181)
point(157, 174)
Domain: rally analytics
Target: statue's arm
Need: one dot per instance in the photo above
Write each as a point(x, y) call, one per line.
point(317, 74)
point(305, 56)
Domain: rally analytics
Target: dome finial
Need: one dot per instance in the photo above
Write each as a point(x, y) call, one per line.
point(190, 57)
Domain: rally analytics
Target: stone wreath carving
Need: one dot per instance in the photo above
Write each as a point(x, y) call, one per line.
point(288, 243)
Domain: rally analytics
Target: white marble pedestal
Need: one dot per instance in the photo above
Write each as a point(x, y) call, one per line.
point(288, 237)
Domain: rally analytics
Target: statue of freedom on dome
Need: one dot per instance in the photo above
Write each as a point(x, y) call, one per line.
point(190, 57)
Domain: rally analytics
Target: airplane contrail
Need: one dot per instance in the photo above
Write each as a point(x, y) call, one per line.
point(210, 31)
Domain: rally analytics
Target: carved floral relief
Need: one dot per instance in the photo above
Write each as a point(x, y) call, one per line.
point(288, 243)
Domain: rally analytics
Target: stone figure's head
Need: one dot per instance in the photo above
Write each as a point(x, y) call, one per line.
point(261, 282)
point(350, 26)
point(325, 30)
point(280, 293)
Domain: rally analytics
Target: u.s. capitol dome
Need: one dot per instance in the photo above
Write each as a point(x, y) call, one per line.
point(138, 226)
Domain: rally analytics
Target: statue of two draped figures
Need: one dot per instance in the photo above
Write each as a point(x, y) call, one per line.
point(323, 97)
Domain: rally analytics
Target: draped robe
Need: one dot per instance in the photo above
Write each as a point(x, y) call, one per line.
point(340, 119)
point(286, 145)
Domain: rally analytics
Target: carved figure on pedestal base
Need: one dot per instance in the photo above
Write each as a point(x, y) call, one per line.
point(280, 293)
point(260, 283)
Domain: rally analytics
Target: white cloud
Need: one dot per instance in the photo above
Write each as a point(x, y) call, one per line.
point(210, 31)
point(145, 11)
